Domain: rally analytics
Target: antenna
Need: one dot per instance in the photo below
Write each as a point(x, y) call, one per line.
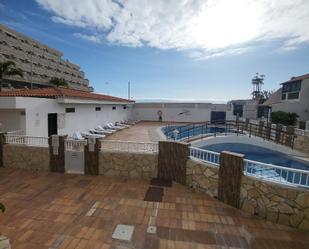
point(129, 90)
point(257, 82)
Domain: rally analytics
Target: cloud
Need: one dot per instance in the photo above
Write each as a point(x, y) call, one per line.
point(91, 38)
point(203, 28)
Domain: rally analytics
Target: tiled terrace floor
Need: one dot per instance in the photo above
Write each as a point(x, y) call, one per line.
point(141, 132)
point(50, 210)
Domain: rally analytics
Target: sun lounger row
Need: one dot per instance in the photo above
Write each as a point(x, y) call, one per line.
point(102, 131)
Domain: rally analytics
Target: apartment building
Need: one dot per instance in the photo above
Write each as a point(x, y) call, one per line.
point(39, 62)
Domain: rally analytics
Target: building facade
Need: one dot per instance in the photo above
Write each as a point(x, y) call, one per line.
point(46, 111)
point(293, 96)
point(38, 62)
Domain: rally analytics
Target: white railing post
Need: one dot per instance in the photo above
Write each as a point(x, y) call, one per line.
point(205, 155)
point(26, 140)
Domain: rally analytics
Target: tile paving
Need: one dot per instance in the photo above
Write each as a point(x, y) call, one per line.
point(140, 132)
point(49, 210)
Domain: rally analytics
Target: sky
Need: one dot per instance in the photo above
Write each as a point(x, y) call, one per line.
point(176, 49)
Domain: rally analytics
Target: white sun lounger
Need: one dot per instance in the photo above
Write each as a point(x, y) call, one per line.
point(122, 124)
point(88, 134)
point(111, 126)
point(76, 135)
point(106, 131)
point(94, 131)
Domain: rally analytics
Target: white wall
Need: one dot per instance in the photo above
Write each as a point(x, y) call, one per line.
point(85, 117)
point(179, 112)
point(11, 120)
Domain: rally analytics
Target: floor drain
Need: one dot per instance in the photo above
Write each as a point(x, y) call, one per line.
point(152, 229)
point(123, 232)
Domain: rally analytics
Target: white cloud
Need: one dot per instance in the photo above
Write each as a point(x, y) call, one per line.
point(91, 38)
point(204, 28)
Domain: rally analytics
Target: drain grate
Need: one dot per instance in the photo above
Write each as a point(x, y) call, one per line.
point(154, 194)
point(161, 182)
point(123, 232)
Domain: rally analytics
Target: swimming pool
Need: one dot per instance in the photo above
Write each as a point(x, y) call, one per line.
point(260, 154)
point(186, 131)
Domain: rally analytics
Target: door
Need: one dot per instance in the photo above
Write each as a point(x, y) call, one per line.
point(218, 117)
point(52, 124)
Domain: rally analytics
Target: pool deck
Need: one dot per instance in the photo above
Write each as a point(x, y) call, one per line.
point(51, 210)
point(140, 132)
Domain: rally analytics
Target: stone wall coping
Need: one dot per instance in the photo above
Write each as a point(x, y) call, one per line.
point(26, 146)
point(130, 152)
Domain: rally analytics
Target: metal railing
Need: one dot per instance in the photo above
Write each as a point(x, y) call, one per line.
point(302, 132)
point(129, 146)
point(274, 173)
point(26, 140)
point(205, 155)
point(74, 145)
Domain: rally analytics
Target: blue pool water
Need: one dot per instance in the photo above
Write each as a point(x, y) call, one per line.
point(260, 154)
point(191, 130)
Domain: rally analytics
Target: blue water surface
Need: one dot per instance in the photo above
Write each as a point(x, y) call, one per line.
point(260, 154)
point(191, 130)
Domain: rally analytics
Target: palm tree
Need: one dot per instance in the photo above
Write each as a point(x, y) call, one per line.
point(8, 68)
point(2, 207)
point(58, 82)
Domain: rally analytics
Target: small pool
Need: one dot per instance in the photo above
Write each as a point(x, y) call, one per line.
point(260, 154)
point(186, 131)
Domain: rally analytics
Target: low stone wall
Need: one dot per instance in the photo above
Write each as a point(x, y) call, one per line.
point(26, 157)
point(128, 165)
point(203, 177)
point(277, 203)
point(301, 143)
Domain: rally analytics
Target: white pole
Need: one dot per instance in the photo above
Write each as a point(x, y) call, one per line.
point(129, 90)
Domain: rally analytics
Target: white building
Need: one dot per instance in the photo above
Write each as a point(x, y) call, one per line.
point(46, 111)
point(293, 96)
point(182, 112)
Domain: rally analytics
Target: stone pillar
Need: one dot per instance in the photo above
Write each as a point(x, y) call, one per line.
point(289, 136)
point(261, 129)
point(307, 125)
point(56, 153)
point(172, 161)
point(2, 142)
point(278, 133)
point(229, 182)
point(247, 123)
point(268, 131)
point(92, 150)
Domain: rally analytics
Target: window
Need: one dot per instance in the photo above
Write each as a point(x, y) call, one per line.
point(69, 109)
point(98, 109)
point(294, 95)
point(124, 107)
point(291, 90)
point(114, 108)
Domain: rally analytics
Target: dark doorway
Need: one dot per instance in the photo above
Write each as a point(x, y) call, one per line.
point(52, 124)
point(217, 117)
